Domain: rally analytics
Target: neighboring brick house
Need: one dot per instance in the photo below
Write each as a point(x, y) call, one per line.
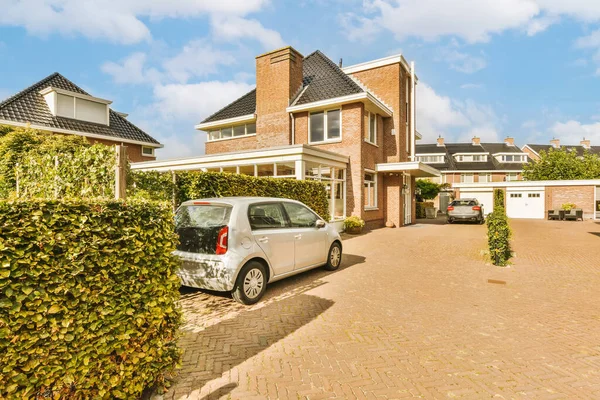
point(57, 105)
point(533, 150)
point(308, 118)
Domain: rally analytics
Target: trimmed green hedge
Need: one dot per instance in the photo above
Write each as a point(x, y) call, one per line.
point(499, 235)
point(196, 185)
point(499, 198)
point(88, 298)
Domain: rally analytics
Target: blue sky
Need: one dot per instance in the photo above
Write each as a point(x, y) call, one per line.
point(524, 68)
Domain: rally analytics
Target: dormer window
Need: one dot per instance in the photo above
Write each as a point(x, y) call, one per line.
point(512, 158)
point(431, 159)
point(471, 158)
point(63, 103)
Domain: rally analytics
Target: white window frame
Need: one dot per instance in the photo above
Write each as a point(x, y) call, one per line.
point(470, 157)
point(372, 205)
point(368, 138)
point(151, 151)
point(246, 134)
point(512, 174)
point(325, 129)
point(488, 177)
point(431, 159)
point(464, 175)
point(407, 112)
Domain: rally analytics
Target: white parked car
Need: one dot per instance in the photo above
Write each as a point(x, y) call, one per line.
point(238, 244)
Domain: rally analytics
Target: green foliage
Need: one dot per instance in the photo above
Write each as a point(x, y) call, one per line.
point(562, 164)
point(421, 206)
point(197, 185)
point(353, 222)
point(20, 143)
point(429, 190)
point(568, 206)
point(498, 198)
point(151, 185)
point(81, 171)
point(499, 235)
point(88, 298)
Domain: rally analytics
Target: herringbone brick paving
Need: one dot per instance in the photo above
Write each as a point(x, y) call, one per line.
point(411, 315)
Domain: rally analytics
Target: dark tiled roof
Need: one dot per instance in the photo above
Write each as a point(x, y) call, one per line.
point(450, 149)
point(30, 106)
point(578, 148)
point(243, 106)
point(322, 80)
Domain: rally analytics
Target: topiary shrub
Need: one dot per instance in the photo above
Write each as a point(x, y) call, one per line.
point(498, 198)
point(499, 235)
point(197, 185)
point(88, 298)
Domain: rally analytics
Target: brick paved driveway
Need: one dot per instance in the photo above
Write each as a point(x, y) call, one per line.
point(411, 314)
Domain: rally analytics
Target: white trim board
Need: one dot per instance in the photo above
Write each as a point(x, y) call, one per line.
point(49, 89)
point(78, 133)
point(225, 122)
point(339, 101)
point(380, 62)
point(526, 184)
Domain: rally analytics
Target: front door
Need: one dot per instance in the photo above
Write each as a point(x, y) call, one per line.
point(407, 200)
point(310, 242)
point(272, 233)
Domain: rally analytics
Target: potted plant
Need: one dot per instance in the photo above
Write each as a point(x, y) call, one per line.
point(568, 206)
point(353, 225)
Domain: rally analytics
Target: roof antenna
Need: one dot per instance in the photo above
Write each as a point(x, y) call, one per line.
point(340, 63)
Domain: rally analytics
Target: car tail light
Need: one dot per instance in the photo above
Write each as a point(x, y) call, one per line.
point(201, 203)
point(476, 208)
point(450, 208)
point(222, 240)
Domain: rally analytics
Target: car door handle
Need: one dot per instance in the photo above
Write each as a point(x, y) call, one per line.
point(264, 240)
point(299, 236)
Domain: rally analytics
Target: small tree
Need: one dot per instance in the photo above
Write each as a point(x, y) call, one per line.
point(562, 164)
point(429, 190)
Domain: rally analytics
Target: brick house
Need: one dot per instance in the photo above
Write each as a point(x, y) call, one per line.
point(308, 118)
point(473, 162)
point(533, 150)
point(57, 105)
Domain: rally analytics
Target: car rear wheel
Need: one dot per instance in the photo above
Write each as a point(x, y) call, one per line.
point(251, 283)
point(334, 257)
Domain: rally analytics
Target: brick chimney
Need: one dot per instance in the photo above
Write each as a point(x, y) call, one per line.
point(476, 141)
point(278, 79)
point(586, 143)
point(440, 141)
point(509, 141)
point(555, 143)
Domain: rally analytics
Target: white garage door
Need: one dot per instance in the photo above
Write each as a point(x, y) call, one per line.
point(525, 203)
point(485, 197)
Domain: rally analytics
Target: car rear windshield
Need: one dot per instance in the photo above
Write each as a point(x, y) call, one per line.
point(458, 203)
point(198, 226)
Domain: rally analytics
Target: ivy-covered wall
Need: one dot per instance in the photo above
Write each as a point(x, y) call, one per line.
point(88, 297)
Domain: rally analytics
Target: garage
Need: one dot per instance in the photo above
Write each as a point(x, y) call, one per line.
point(485, 196)
point(525, 202)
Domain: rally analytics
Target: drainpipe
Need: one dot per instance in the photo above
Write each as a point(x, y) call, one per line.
point(293, 129)
point(412, 111)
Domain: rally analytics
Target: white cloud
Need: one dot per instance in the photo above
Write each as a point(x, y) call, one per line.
point(232, 28)
point(196, 101)
point(571, 132)
point(472, 86)
point(131, 70)
point(453, 119)
point(459, 61)
point(470, 20)
point(196, 59)
point(115, 20)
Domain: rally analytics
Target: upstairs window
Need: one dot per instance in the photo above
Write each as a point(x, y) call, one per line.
point(325, 126)
point(513, 158)
point(372, 129)
point(63, 103)
point(466, 178)
point(471, 158)
point(431, 159)
point(147, 151)
point(235, 131)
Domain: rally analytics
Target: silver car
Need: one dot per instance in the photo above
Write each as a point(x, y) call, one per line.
point(238, 244)
point(465, 210)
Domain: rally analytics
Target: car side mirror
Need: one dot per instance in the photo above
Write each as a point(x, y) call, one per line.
point(320, 224)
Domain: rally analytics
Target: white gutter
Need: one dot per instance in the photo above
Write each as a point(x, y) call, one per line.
point(364, 96)
point(293, 128)
point(78, 133)
point(412, 110)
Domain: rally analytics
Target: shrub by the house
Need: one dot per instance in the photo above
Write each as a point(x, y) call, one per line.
point(87, 298)
point(498, 198)
point(499, 235)
point(421, 206)
point(196, 185)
